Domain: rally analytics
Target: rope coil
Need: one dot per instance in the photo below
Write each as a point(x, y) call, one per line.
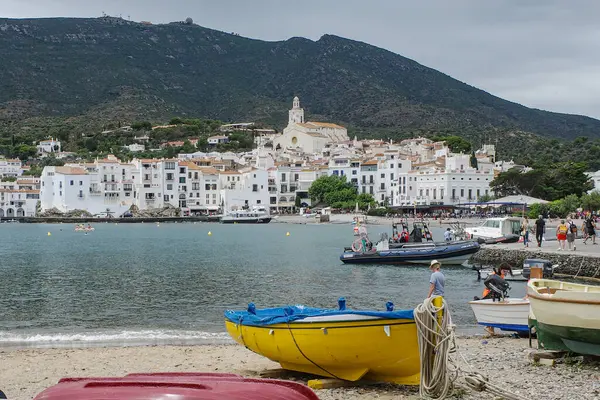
point(437, 340)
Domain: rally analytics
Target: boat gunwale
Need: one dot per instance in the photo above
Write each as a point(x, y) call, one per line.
point(300, 325)
point(519, 302)
point(542, 297)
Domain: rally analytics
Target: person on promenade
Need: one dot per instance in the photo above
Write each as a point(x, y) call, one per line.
point(540, 227)
point(561, 234)
point(437, 280)
point(525, 231)
point(571, 234)
point(591, 230)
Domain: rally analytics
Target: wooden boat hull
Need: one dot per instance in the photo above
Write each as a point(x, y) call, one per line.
point(509, 315)
point(375, 349)
point(566, 315)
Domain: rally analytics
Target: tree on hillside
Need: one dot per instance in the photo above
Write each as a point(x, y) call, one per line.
point(551, 183)
point(456, 144)
point(473, 160)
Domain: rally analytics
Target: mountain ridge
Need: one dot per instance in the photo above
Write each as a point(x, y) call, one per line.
point(66, 67)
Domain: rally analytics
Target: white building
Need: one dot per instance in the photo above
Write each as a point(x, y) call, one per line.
point(311, 137)
point(20, 198)
point(135, 147)
point(217, 139)
point(244, 188)
point(48, 146)
point(10, 167)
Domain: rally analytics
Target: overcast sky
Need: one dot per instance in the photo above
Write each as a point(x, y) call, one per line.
point(540, 53)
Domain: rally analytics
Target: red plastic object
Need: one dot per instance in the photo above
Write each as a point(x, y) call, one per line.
point(176, 385)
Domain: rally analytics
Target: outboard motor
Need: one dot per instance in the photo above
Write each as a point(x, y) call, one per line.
point(498, 287)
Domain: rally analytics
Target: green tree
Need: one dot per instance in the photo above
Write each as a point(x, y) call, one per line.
point(333, 184)
point(298, 202)
point(591, 201)
point(456, 144)
point(141, 126)
point(187, 147)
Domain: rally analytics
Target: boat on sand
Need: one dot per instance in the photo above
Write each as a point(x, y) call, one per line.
point(343, 344)
point(566, 315)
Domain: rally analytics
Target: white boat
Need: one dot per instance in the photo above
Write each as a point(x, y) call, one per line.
point(256, 215)
point(508, 314)
point(516, 275)
point(566, 315)
point(493, 228)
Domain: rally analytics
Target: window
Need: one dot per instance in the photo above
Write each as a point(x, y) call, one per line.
point(383, 176)
point(470, 194)
point(213, 186)
point(166, 197)
point(71, 183)
point(207, 186)
point(228, 178)
point(81, 193)
point(255, 188)
point(254, 175)
point(182, 179)
point(453, 193)
point(214, 196)
point(296, 177)
point(478, 193)
point(283, 176)
point(442, 194)
point(169, 186)
point(370, 189)
point(80, 183)
point(462, 193)
point(182, 170)
point(190, 175)
point(392, 165)
point(392, 177)
point(354, 172)
point(382, 186)
point(257, 201)
point(169, 165)
point(170, 176)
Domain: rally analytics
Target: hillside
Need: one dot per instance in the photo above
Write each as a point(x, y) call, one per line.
point(110, 69)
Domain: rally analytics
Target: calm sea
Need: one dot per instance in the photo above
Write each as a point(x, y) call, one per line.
point(131, 284)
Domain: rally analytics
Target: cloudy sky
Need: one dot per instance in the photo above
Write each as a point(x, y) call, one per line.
point(540, 53)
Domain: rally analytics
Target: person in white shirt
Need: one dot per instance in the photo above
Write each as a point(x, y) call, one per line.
point(448, 235)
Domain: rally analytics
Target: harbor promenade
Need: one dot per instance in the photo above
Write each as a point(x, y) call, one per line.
point(583, 262)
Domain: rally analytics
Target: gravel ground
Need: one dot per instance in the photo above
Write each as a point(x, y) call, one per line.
point(24, 373)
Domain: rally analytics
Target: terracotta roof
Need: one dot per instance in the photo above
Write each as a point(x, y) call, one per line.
point(189, 164)
point(230, 173)
point(70, 171)
point(326, 125)
point(209, 170)
point(370, 162)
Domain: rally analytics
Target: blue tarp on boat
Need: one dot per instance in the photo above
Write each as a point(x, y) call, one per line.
point(282, 315)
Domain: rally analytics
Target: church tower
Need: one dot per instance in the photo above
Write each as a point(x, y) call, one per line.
point(296, 114)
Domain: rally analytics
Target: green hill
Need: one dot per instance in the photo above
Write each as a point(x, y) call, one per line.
point(109, 69)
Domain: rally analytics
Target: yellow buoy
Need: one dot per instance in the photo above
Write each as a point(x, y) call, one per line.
point(209, 233)
point(287, 234)
point(49, 234)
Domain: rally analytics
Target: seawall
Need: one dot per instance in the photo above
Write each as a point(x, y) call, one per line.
point(82, 220)
point(568, 263)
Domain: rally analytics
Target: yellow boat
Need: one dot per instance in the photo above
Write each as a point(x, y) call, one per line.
point(343, 344)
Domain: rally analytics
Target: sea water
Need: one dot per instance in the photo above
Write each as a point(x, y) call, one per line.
point(131, 284)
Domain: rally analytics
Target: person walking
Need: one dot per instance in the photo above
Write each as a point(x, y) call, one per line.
point(561, 234)
point(525, 231)
point(437, 280)
point(590, 227)
point(540, 227)
point(571, 234)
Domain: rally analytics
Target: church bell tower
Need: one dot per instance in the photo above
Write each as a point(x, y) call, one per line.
point(296, 114)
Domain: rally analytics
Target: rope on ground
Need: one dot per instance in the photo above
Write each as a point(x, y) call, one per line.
point(436, 341)
point(438, 370)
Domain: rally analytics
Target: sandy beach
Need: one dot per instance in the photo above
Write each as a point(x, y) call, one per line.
point(26, 372)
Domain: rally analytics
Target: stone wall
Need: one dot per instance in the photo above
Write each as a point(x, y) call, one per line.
point(567, 263)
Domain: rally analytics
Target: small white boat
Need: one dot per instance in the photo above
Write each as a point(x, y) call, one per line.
point(508, 314)
point(257, 215)
point(495, 228)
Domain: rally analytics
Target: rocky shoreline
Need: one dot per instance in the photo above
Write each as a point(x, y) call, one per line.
point(571, 264)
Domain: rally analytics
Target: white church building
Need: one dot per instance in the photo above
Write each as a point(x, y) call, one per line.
point(310, 136)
